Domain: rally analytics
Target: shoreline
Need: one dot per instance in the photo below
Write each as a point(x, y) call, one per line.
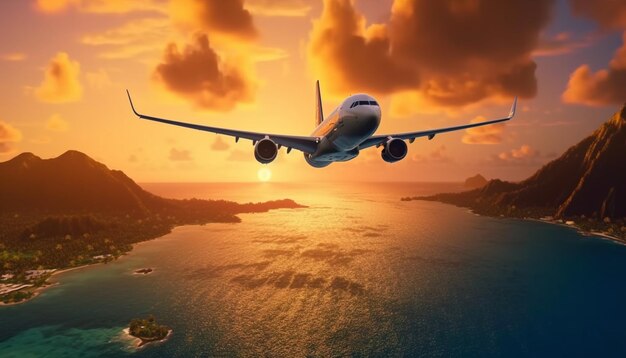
point(39, 290)
point(581, 231)
point(139, 343)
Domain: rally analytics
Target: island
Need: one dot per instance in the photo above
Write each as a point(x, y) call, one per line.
point(584, 188)
point(71, 211)
point(475, 182)
point(147, 330)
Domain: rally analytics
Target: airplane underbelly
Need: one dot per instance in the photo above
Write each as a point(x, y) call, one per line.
point(352, 131)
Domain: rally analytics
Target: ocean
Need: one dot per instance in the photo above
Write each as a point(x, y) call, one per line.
point(358, 273)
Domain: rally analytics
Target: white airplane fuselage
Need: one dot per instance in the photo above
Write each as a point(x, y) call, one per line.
point(341, 132)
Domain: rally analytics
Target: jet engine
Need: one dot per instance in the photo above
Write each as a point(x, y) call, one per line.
point(395, 149)
point(265, 151)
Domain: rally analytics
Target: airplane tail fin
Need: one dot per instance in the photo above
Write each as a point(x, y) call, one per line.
point(319, 112)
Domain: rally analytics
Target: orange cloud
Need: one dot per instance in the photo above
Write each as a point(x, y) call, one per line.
point(61, 83)
point(101, 6)
point(350, 57)
point(56, 123)
point(9, 135)
point(525, 155)
point(14, 57)
point(290, 8)
point(605, 87)
point(438, 155)
point(219, 145)
point(215, 17)
point(448, 51)
point(136, 37)
point(492, 134)
point(239, 155)
point(561, 44)
point(198, 74)
point(180, 155)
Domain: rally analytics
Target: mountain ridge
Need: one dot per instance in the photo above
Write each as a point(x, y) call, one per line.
point(587, 181)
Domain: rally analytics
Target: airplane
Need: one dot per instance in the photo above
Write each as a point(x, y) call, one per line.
point(339, 137)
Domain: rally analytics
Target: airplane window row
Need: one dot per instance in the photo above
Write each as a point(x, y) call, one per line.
point(364, 103)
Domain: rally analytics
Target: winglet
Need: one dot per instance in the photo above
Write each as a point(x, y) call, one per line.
point(513, 108)
point(319, 112)
point(131, 104)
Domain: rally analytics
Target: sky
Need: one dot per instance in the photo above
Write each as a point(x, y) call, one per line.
point(252, 65)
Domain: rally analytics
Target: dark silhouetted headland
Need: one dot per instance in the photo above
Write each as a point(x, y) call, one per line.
point(72, 210)
point(585, 187)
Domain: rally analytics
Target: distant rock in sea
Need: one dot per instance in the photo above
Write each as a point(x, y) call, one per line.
point(588, 180)
point(475, 182)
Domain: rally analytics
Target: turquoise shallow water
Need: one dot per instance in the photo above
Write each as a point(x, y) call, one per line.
point(358, 273)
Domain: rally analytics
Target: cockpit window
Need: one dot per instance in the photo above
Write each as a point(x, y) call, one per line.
point(363, 103)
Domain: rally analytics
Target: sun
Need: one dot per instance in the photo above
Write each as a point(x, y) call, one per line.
point(264, 174)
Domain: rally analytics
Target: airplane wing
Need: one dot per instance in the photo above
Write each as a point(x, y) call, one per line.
point(301, 143)
point(377, 140)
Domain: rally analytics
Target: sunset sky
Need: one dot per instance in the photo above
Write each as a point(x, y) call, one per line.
point(252, 64)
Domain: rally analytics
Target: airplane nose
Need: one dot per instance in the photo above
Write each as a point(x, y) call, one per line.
point(371, 116)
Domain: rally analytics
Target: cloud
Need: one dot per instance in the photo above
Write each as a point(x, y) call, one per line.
point(610, 14)
point(561, 44)
point(238, 155)
point(491, 134)
point(57, 124)
point(290, 8)
point(438, 155)
point(61, 83)
point(9, 135)
point(100, 6)
point(180, 155)
point(525, 155)
point(136, 37)
point(447, 51)
point(606, 86)
point(219, 145)
point(198, 74)
point(14, 57)
point(98, 79)
point(215, 17)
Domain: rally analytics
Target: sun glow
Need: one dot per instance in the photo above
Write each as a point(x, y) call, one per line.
point(264, 174)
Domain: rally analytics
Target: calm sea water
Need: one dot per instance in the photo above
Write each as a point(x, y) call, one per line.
point(358, 273)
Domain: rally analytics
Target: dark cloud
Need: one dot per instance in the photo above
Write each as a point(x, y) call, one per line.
point(451, 53)
point(179, 155)
point(197, 73)
point(216, 16)
point(610, 14)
